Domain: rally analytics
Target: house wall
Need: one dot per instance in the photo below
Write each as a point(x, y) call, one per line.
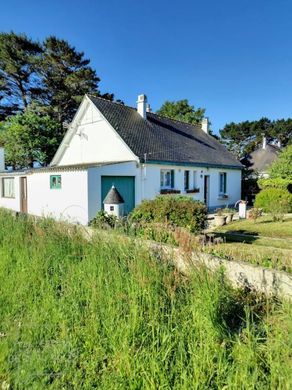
point(94, 140)
point(151, 183)
point(68, 203)
point(11, 203)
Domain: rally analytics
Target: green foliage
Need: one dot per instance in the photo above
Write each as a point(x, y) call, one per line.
point(274, 183)
point(19, 83)
point(182, 111)
point(282, 167)
point(29, 137)
point(175, 210)
point(275, 201)
point(104, 220)
point(106, 314)
point(244, 137)
point(51, 75)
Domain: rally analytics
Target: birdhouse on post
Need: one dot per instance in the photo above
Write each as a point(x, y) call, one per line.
point(114, 203)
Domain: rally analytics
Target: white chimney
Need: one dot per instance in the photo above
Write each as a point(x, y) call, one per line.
point(141, 105)
point(2, 160)
point(264, 142)
point(205, 125)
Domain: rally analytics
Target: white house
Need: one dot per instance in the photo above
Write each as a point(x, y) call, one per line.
point(142, 154)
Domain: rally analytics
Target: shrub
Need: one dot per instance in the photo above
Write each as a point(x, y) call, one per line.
point(255, 213)
point(284, 184)
point(104, 220)
point(175, 210)
point(275, 201)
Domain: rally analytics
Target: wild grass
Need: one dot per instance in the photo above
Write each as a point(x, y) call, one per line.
point(106, 314)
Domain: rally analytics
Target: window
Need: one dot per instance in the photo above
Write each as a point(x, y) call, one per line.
point(8, 188)
point(222, 183)
point(55, 182)
point(167, 178)
point(187, 180)
point(194, 179)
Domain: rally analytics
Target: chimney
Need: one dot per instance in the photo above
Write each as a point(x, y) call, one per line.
point(2, 160)
point(264, 141)
point(205, 125)
point(141, 105)
point(148, 108)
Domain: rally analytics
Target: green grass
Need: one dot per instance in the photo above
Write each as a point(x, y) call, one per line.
point(264, 226)
point(264, 242)
point(106, 314)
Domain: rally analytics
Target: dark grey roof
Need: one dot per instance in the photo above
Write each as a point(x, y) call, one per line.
point(164, 140)
point(261, 159)
point(113, 197)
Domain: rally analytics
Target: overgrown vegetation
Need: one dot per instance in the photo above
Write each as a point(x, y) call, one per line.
point(101, 314)
point(180, 211)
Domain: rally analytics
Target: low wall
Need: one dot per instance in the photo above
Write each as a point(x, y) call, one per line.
point(266, 280)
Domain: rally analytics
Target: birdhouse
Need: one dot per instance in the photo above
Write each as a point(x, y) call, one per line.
point(114, 203)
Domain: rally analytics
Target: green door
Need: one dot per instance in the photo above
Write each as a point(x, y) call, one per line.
point(126, 187)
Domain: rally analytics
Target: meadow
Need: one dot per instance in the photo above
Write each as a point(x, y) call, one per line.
point(106, 314)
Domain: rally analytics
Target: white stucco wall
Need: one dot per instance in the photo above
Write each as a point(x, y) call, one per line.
point(68, 203)
point(151, 183)
point(94, 140)
point(11, 203)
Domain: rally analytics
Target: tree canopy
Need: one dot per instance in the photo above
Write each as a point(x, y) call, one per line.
point(181, 110)
point(28, 137)
point(282, 167)
point(51, 75)
point(244, 137)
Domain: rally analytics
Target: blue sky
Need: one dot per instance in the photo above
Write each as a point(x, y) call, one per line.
point(232, 57)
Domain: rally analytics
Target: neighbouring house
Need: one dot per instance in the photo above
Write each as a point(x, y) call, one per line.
point(257, 165)
point(138, 152)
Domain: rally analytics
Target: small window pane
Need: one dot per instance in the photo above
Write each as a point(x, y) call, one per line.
point(8, 187)
point(55, 182)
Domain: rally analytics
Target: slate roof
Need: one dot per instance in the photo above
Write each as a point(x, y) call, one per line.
point(113, 197)
point(261, 159)
point(163, 139)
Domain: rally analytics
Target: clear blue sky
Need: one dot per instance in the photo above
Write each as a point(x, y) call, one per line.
point(233, 57)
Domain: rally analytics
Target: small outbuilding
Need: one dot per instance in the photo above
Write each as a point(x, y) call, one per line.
point(114, 203)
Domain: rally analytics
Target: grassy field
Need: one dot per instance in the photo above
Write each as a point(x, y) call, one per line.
point(264, 242)
point(107, 315)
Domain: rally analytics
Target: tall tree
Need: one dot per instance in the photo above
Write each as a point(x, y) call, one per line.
point(67, 76)
point(244, 137)
point(182, 111)
point(20, 84)
point(29, 137)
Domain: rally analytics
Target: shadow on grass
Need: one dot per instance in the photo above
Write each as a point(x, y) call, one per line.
point(244, 236)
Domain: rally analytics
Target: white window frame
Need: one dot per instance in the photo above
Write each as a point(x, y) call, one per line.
point(165, 178)
point(8, 193)
point(223, 183)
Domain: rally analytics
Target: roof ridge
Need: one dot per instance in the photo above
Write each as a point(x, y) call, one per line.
point(172, 119)
point(110, 101)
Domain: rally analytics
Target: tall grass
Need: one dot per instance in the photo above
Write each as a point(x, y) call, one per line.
point(108, 315)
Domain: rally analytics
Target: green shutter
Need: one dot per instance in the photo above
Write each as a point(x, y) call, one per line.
point(172, 178)
point(225, 180)
point(55, 182)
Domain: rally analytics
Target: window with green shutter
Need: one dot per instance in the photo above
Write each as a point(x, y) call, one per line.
point(222, 183)
point(55, 182)
point(167, 178)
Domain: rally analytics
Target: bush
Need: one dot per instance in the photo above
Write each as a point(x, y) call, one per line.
point(284, 184)
point(104, 220)
point(255, 213)
point(179, 211)
point(275, 201)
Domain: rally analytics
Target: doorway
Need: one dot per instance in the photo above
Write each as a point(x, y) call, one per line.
point(23, 195)
point(206, 190)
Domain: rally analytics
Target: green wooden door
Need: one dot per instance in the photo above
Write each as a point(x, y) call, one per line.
point(126, 187)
